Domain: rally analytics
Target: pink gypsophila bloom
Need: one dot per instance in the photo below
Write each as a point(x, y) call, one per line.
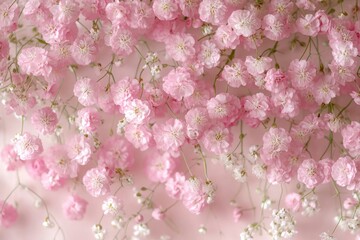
point(293, 201)
point(9, 157)
point(45, 120)
point(343, 171)
point(36, 168)
point(236, 74)
point(83, 50)
point(88, 120)
point(351, 138)
point(275, 141)
point(8, 216)
point(197, 120)
point(224, 107)
point(194, 196)
point(180, 47)
point(9, 14)
point(138, 135)
point(28, 146)
point(35, 61)
point(213, 12)
point(174, 186)
point(74, 207)
point(275, 80)
point(57, 160)
point(122, 41)
point(86, 90)
point(137, 111)
point(225, 37)
point(244, 22)
point(96, 182)
point(160, 167)
point(166, 9)
point(308, 25)
point(125, 89)
point(179, 83)
point(52, 180)
point(310, 173)
point(257, 106)
point(169, 135)
point(302, 74)
point(257, 66)
point(217, 140)
point(79, 149)
point(209, 54)
point(276, 27)
point(66, 12)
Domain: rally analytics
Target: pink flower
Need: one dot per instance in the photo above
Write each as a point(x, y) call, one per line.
point(138, 135)
point(209, 54)
point(52, 180)
point(86, 90)
point(45, 120)
point(244, 22)
point(351, 138)
point(197, 120)
point(116, 152)
point(302, 74)
point(166, 9)
point(79, 149)
point(257, 66)
point(342, 74)
point(288, 102)
point(343, 171)
point(325, 89)
point(117, 12)
point(308, 25)
point(9, 14)
point(158, 214)
point(257, 106)
point(83, 50)
point(4, 48)
point(160, 167)
point(225, 37)
point(236, 74)
point(122, 41)
point(305, 4)
point(293, 201)
point(9, 157)
point(310, 173)
point(28, 146)
point(217, 140)
point(169, 135)
point(74, 207)
point(137, 111)
point(180, 47)
point(88, 120)
point(9, 215)
point(344, 53)
point(36, 168)
point(96, 182)
point(224, 107)
point(275, 80)
point(213, 12)
point(237, 214)
point(66, 12)
point(275, 141)
point(327, 166)
point(174, 185)
point(276, 27)
point(142, 16)
point(56, 159)
point(35, 61)
point(125, 89)
point(178, 83)
point(194, 196)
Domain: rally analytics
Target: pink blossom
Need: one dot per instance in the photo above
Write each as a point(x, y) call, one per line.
point(117, 12)
point(275, 80)
point(301, 74)
point(52, 181)
point(36, 168)
point(288, 103)
point(180, 47)
point(327, 166)
point(93, 9)
point(9, 215)
point(351, 138)
point(86, 90)
point(209, 54)
point(356, 97)
point(174, 185)
point(276, 27)
point(83, 50)
point(275, 141)
point(257, 106)
point(9, 14)
point(28, 146)
point(57, 160)
point(166, 9)
point(257, 66)
point(45, 120)
point(35, 61)
point(308, 25)
point(142, 16)
point(137, 111)
point(189, 8)
point(66, 12)
point(305, 4)
point(342, 74)
point(293, 201)
point(213, 11)
point(88, 120)
point(160, 167)
point(79, 149)
point(178, 83)
point(122, 41)
point(200, 96)
point(344, 53)
point(236, 74)
point(349, 203)
point(343, 171)
point(310, 173)
point(325, 89)
point(138, 135)
point(9, 157)
point(244, 22)
point(224, 107)
point(115, 153)
point(74, 207)
point(96, 182)
point(169, 135)
point(197, 120)
point(281, 7)
point(158, 214)
point(124, 89)
point(217, 140)
point(4, 48)
point(194, 196)
point(225, 37)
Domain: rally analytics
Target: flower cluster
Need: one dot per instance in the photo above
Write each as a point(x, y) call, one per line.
point(152, 95)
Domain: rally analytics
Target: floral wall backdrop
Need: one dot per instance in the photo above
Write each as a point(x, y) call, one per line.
point(179, 119)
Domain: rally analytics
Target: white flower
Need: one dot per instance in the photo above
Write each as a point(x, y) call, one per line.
point(326, 236)
point(141, 229)
point(282, 225)
point(48, 223)
point(99, 232)
point(239, 173)
point(111, 206)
